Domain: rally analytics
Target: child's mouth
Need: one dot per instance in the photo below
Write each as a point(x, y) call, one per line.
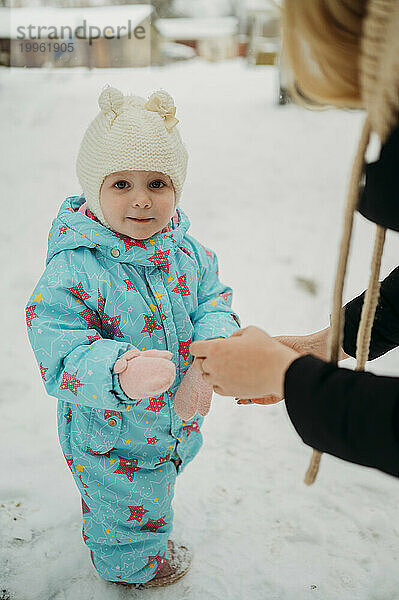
point(136, 220)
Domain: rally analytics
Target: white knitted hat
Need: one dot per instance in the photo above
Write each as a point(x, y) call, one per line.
point(130, 133)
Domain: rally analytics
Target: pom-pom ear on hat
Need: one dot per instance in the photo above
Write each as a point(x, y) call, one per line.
point(162, 103)
point(110, 99)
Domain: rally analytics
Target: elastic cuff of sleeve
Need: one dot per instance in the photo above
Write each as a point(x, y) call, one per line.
point(119, 393)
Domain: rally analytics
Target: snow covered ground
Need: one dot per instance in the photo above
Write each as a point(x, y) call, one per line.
point(265, 189)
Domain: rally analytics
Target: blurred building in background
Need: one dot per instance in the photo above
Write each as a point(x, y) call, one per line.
point(212, 38)
point(263, 32)
point(83, 33)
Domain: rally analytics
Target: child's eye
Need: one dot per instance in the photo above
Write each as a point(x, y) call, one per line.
point(120, 185)
point(157, 184)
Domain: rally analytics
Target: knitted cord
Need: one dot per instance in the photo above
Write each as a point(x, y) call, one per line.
point(370, 302)
point(337, 321)
point(364, 331)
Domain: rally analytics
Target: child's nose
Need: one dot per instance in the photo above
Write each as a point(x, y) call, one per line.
point(141, 199)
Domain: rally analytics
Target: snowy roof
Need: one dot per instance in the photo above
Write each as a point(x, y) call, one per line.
point(47, 16)
point(267, 5)
point(197, 29)
point(201, 8)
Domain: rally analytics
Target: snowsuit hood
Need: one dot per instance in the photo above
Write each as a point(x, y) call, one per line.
point(89, 233)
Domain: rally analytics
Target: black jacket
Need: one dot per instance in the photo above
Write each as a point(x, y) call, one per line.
point(353, 415)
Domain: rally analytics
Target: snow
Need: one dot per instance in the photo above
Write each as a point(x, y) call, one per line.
point(175, 51)
point(51, 17)
point(265, 189)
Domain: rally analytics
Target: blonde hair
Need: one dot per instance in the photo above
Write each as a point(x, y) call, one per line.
point(321, 50)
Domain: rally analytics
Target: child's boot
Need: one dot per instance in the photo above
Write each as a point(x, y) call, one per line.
point(171, 571)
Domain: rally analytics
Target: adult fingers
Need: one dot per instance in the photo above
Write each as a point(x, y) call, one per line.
point(237, 333)
point(197, 364)
point(244, 401)
point(219, 390)
point(200, 348)
point(208, 378)
point(206, 366)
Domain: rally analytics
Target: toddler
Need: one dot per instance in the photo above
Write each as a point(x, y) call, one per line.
point(124, 292)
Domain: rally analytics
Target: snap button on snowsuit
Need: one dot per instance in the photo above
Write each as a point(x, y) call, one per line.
point(111, 422)
point(115, 252)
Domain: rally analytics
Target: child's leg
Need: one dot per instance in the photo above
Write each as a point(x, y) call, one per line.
point(127, 513)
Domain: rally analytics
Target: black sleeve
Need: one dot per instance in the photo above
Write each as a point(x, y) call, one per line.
point(349, 414)
point(378, 200)
point(385, 331)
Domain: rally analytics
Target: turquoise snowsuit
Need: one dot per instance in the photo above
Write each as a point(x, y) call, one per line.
point(101, 294)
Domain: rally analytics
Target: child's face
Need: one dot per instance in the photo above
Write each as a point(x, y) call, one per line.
point(137, 204)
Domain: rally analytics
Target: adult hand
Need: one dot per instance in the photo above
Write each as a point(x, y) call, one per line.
point(249, 364)
point(313, 343)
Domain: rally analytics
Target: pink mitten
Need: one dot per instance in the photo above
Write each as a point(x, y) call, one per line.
point(193, 395)
point(144, 374)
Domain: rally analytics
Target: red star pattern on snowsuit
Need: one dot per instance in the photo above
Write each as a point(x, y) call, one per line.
point(109, 325)
point(185, 250)
point(181, 287)
point(136, 513)
point(184, 349)
point(163, 459)
point(69, 461)
point(112, 413)
point(85, 537)
point(156, 404)
point(63, 229)
point(85, 508)
point(70, 382)
point(152, 525)
point(94, 338)
point(78, 291)
point(150, 324)
point(43, 371)
point(172, 239)
point(191, 427)
point(84, 486)
point(225, 295)
point(130, 242)
point(68, 416)
point(91, 215)
point(92, 318)
point(160, 560)
point(129, 285)
point(100, 303)
point(128, 467)
point(97, 452)
point(30, 315)
point(160, 259)
point(164, 317)
point(152, 440)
